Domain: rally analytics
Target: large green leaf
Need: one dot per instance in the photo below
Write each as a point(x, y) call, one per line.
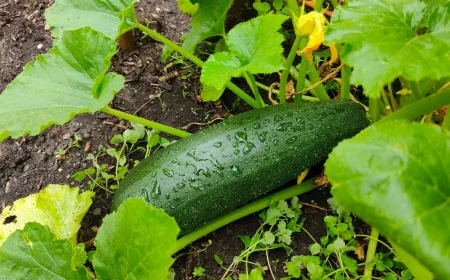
point(111, 17)
point(207, 21)
point(255, 46)
point(219, 68)
point(59, 207)
point(60, 84)
point(385, 39)
point(257, 42)
point(416, 268)
point(396, 176)
point(187, 7)
point(135, 242)
point(33, 253)
point(210, 93)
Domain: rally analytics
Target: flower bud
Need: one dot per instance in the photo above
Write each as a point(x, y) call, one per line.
point(305, 26)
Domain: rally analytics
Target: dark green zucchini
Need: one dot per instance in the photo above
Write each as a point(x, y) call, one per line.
point(206, 175)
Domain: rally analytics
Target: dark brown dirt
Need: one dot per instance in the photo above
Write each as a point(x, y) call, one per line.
point(29, 164)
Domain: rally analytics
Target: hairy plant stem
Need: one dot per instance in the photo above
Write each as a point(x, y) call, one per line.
point(385, 100)
point(287, 67)
point(252, 83)
point(394, 105)
point(318, 6)
point(345, 82)
point(197, 61)
point(293, 71)
point(314, 77)
point(244, 96)
point(415, 90)
point(446, 122)
point(334, 3)
point(371, 250)
point(374, 108)
point(248, 209)
point(303, 68)
point(301, 78)
point(145, 122)
point(422, 107)
point(293, 6)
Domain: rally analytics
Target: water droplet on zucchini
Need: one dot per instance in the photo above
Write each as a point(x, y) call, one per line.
point(168, 172)
point(235, 170)
point(156, 190)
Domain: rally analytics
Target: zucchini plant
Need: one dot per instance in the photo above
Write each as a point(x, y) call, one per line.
point(394, 174)
point(41, 242)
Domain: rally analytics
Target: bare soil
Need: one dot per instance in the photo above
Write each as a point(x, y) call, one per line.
point(29, 164)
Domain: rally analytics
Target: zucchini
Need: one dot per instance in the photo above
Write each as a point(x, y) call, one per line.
point(204, 176)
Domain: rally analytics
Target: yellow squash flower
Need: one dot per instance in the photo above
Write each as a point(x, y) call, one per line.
point(312, 25)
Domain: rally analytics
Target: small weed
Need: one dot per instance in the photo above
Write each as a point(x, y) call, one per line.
point(278, 223)
point(74, 142)
point(147, 23)
point(106, 176)
point(157, 95)
point(331, 257)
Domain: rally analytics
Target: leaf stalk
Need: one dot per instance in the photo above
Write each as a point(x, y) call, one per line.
point(415, 90)
point(315, 78)
point(422, 107)
point(303, 69)
point(197, 61)
point(374, 108)
point(252, 83)
point(446, 122)
point(345, 82)
point(286, 70)
point(246, 210)
point(370, 255)
point(145, 122)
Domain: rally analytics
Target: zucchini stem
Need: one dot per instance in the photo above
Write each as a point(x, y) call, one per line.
point(197, 61)
point(345, 82)
point(293, 6)
point(371, 250)
point(446, 122)
point(374, 108)
point(315, 78)
point(394, 105)
point(145, 122)
point(293, 70)
point(385, 101)
point(252, 83)
point(334, 3)
point(318, 6)
point(287, 67)
point(246, 210)
point(422, 107)
point(244, 96)
point(301, 78)
point(415, 90)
